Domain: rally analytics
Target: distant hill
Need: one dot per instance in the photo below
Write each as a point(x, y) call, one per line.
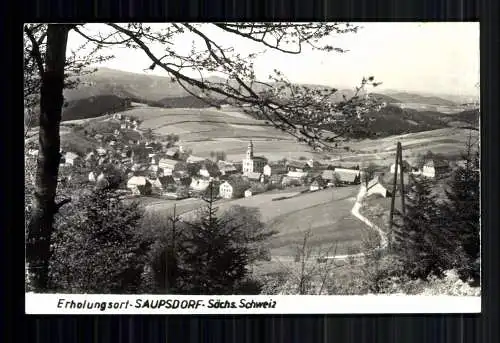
point(412, 98)
point(393, 120)
point(94, 106)
point(108, 90)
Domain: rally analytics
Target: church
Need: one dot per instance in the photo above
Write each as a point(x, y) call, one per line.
point(251, 163)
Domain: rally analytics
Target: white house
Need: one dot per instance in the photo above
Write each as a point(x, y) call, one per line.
point(204, 172)
point(33, 152)
point(405, 166)
point(101, 177)
point(317, 184)
point(101, 151)
point(226, 190)
point(167, 165)
point(434, 168)
point(92, 177)
point(375, 187)
point(135, 182)
point(248, 193)
point(274, 169)
point(70, 158)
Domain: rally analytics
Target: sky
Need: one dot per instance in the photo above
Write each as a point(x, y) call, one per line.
point(421, 57)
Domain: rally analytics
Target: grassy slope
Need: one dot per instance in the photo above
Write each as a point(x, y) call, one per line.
point(326, 212)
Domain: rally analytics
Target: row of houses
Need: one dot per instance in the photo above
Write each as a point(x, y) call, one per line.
point(432, 168)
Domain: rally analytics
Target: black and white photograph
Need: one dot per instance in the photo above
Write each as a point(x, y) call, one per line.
point(274, 158)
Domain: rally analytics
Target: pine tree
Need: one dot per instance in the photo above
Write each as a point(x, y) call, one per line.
point(420, 241)
point(97, 248)
point(463, 212)
point(211, 262)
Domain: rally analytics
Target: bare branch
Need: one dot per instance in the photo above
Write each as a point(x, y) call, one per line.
point(35, 49)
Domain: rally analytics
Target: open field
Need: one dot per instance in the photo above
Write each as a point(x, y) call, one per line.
point(209, 129)
point(206, 130)
point(326, 213)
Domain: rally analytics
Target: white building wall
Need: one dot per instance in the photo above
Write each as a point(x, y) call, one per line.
point(428, 171)
point(267, 170)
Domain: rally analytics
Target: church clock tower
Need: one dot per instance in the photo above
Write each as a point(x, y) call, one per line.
point(250, 151)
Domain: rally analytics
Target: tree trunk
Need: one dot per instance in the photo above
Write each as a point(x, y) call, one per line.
point(40, 226)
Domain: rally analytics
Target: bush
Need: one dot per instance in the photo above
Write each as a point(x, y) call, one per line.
point(96, 247)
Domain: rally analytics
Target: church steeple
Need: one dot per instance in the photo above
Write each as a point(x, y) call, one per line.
point(250, 150)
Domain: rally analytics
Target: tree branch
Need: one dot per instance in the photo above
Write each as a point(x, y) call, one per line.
point(61, 204)
point(35, 50)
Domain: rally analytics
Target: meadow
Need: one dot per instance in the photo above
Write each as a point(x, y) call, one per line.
point(326, 213)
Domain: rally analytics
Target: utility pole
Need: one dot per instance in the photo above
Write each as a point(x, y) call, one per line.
point(397, 167)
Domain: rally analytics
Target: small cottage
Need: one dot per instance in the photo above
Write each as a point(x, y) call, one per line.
point(92, 177)
point(71, 158)
point(254, 176)
point(226, 190)
point(317, 185)
point(167, 165)
point(139, 185)
point(435, 168)
point(376, 187)
point(101, 151)
point(270, 169)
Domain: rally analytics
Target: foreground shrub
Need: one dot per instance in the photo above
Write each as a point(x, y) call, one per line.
point(97, 248)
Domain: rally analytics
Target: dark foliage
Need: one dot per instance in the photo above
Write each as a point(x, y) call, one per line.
point(96, 246)
point(421, 241)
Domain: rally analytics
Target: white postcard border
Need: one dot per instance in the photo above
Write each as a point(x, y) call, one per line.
point(279, 304)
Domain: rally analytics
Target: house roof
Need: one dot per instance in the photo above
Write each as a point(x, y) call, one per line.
point(253, 175)
point(319, 181)
point(224, 165)
point(230, 182)
point(194, 159)
point(296, 164)
point(328, 175)
point(277, 167)
point(172, 151)
point(347, 175)
point(436, 163)
point(137, 181)
point(293, 174)
point(373, 182)
point(167, 163)
point(71, 155)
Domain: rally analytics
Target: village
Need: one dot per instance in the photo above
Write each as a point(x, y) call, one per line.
point(151, 166)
